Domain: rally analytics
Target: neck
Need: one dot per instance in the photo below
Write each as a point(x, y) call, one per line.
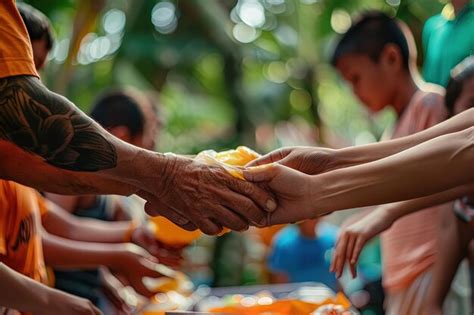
point(404, 93)
point(458, 5)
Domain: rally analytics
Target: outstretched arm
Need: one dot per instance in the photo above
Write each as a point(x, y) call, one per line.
point(22, 293)
point(433, 166)
point(317, 160)
point(189, 193)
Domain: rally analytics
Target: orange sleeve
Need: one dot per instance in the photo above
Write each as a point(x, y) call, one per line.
point(16, 55)
point(4, 211)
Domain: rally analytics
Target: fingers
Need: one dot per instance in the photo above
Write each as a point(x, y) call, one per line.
point(243, 208)
point(96, 311)
point(350, 247)
point(271, 157)
point(209, 226)
point(260, 196)
point(264, 173)
point(340, 255)
point(359, 245)
point(232, 220)
point(154, 207)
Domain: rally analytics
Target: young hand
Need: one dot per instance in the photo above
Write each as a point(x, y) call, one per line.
point(353, 238)
point(166, 254)
point(292, 189)
point(309, 160)
point(134, 263)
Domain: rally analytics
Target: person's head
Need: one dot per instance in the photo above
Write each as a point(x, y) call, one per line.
point(308, 228)
point(460, 90)
point(121, 113)
point(375, 53)
point(40, 32)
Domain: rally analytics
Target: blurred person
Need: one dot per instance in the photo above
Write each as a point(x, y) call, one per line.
point(457, 230)
point(56, 131)
point(122, 113)
point(447, 39)
point(301, 253)
point(378, 48)
point(25, 248)
point(454, 235)
point(40, 33)
point(378, 51)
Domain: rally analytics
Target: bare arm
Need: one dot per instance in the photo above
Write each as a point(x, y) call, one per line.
point(354, 237)
point(372, 152)
point(22, 293)
point(313, 161)
point(187, 192)
point(129, 260)
point(58, 222)
point(453, 241)
point(431, 167)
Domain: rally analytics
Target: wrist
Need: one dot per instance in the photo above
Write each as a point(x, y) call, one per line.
point(347, 157)
point(318, 190)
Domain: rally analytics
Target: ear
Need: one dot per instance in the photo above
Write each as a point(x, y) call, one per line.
point(391, 57)
point(121, 132)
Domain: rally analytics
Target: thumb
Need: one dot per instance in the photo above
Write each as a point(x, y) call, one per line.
point(262, 173)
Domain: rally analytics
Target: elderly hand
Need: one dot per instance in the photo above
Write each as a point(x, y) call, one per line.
point(309, 160)
point(195, 195)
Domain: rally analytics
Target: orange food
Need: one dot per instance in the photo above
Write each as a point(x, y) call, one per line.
point(169, 233)
point(283, 307)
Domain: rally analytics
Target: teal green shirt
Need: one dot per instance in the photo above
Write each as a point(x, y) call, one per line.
point(446, 43)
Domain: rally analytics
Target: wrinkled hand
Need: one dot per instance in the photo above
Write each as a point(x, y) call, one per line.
point(166, 254)
point(134, 263)
point(353, 238)
point(60, 303)
point(309, 160)
point(195, 195)
point(291, 188)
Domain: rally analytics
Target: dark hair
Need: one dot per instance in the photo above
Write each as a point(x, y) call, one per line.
point(37, 24)
point(368, 36)
point(120, 108)
point(459, 74)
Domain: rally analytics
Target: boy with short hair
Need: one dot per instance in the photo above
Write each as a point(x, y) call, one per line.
point(377, 57)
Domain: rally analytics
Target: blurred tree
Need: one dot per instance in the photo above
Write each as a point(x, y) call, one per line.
point(228, 71)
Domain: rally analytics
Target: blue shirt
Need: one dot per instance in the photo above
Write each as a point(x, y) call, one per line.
point(303, 259)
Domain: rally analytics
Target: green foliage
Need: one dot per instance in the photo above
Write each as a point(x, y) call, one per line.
point(216, 90)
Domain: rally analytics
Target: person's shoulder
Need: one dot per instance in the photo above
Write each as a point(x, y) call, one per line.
point(431, 96)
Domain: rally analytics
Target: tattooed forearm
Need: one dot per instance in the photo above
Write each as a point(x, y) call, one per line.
point(50, 126)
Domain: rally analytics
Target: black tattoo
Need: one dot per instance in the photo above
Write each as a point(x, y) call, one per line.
point(50, 126)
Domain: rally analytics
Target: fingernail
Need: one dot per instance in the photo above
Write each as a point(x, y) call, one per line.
point(271, 205)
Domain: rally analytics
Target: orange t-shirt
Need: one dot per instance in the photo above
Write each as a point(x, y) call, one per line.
point(16, 54)
point(21, 208)
point(409, 246)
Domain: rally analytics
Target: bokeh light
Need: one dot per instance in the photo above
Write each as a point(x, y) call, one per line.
point(340, 21)
point(163, 17)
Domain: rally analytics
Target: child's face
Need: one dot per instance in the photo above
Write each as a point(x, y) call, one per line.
point(466, 99)
point(370, 81)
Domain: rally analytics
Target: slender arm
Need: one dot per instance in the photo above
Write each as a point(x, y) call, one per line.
point(433, 166)
point(61, 223)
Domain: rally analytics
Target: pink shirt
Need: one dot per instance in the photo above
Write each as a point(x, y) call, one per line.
point(409, 246)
